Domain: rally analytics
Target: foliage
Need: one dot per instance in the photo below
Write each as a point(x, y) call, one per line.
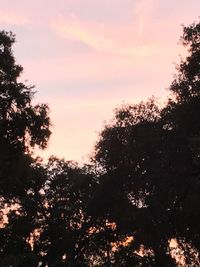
point(65, 220)
point(150, 159)
point(22, 127)
point(140, 196)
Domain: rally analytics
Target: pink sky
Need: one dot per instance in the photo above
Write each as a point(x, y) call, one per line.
point(88, 56)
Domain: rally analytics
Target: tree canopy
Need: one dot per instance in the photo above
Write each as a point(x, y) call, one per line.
point(137, 204)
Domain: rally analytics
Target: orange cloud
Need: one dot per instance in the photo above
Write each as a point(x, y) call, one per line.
point(13, 19)
point(117, 39)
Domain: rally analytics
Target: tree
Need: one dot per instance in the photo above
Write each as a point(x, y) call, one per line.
point(141, 195)
point(65, 228)
point(149, 158)
point(132, 152)
point(182, 115)
point(22, 124)
point(22, 127)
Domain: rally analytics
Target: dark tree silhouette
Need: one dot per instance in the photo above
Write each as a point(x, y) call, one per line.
point(182, 116)
point(65, 228)
point(141, 194)
point(150, 164)
point(22, 127)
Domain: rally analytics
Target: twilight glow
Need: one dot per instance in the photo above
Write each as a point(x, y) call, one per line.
point(86, 57)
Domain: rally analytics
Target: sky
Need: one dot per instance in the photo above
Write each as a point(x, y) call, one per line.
point(87, 57)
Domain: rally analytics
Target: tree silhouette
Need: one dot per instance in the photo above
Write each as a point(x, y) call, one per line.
point(150, 164)
point(140, 195)
point(22, 127)
point(65, 227)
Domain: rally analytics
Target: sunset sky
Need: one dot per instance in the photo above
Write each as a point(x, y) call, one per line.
point(86, 57)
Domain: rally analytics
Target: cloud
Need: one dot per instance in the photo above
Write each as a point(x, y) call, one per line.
point(78, 32)
point(12, 19)
point(119, 40)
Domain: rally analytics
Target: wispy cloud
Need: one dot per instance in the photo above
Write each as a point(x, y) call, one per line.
point(103, 38)
point(12, 19)
point(143, 10)
point(85, 57)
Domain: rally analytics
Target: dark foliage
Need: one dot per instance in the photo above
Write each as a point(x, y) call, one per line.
point(22, 127)
point(140, 196)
